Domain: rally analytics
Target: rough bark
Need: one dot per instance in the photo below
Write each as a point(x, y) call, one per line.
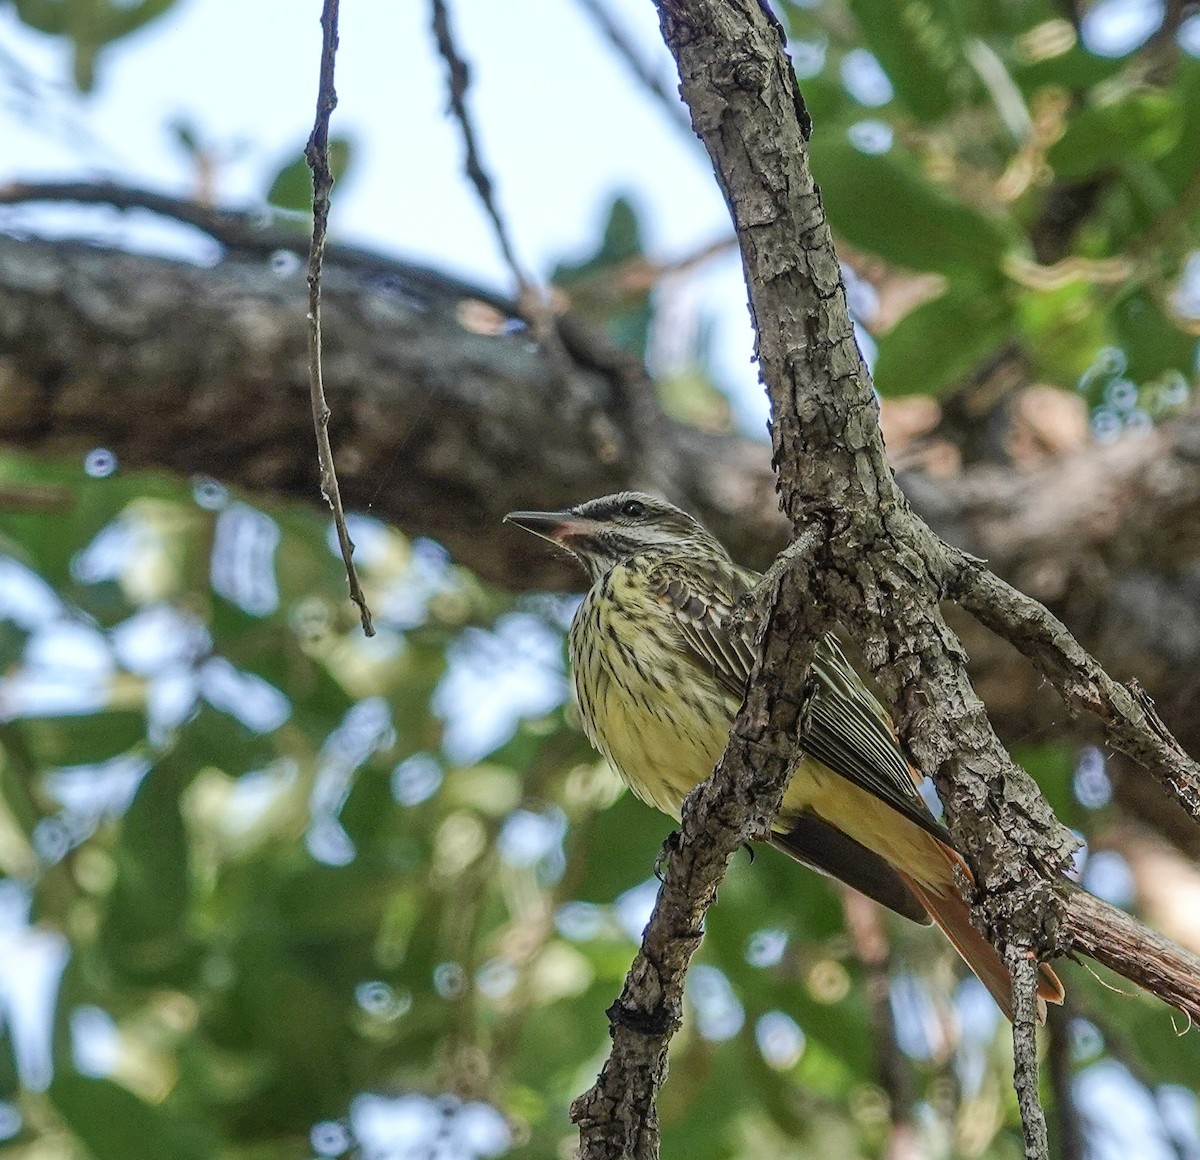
point(864, 558)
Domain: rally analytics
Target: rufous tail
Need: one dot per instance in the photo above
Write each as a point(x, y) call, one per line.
point(953, 915)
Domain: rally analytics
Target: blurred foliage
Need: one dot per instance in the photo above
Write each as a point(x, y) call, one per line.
point(276, 890)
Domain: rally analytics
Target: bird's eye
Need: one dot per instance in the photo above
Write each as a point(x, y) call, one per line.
point(633, 509)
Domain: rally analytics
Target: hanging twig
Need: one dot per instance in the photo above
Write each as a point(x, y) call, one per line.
point(316, 153)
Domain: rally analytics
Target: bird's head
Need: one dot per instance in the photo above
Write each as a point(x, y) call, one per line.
point(616, 529)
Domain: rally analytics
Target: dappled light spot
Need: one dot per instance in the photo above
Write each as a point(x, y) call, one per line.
point(765, 947)
point(209, 493)
point(109, 552)
point(808, 55)
point(496, 978)
point(780, 1039)
point(284, 263)
point(25, 598)
point(1114, 28)
point(634, 906)
point(381, 1001)
point(1188, 36)
point(828, 980)
point(32, 960)
point(526, 838)
point(416, 779)
point(719, 1014)
point(919, 1032)
point(253, 701)
point(330, 1138)
point(450, 980)
point(243, 559)
point(95, 1041)
point(495, 679)
point(89, 794)
point(580, 921)
point(871, 136)
point(864, 79)
point(1108, 876)
point(157, 637)
point(327, 841)
point(1106, 1092)
point(100, 463)
point(1085, 1040)
point(1091, 783)
point(415, 1125)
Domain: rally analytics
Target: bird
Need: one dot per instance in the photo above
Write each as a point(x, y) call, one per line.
point(661, 649)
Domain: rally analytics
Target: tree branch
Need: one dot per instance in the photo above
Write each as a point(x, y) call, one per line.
point(1022, 965)
point(617, 1117)
point(203, 369)
point(1130, 722)
point(881, 565)
point(1134, 951)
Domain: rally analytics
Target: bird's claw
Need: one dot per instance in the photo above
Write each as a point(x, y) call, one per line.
point(669, 846)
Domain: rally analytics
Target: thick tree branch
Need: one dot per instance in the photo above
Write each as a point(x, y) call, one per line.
point(883, 565)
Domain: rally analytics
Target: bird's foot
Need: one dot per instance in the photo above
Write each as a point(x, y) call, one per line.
point(669, 846)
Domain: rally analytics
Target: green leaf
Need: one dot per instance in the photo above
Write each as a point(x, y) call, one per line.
point(920, 44)
point(145, 927)
point(113, 1124)
point(292, 187)
point(1151, 341)
point(84, 739)
point(1141, 125)
point(884, 203)
point(935, 345)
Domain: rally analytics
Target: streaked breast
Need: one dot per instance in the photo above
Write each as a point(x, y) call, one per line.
point(654, 714)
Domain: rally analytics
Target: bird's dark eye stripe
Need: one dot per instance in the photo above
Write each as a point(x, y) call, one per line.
point(633, 508)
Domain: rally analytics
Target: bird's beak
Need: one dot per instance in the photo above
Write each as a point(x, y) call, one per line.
point(557, 527)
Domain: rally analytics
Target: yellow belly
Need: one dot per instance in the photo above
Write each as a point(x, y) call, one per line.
point(663, 724)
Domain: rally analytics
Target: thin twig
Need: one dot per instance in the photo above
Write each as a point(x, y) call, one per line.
point(458, 79)
point(1023, 967)
point(316, 153)
point(667, 97)
point(555, 337)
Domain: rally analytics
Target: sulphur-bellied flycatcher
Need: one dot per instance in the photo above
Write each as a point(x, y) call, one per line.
point(661, 663)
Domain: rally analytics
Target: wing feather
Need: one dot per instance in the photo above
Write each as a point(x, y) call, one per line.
point(849, 731)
